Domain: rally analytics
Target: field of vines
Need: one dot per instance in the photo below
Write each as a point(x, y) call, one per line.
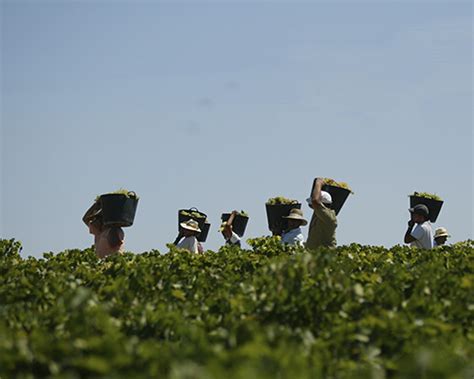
point(270, 311)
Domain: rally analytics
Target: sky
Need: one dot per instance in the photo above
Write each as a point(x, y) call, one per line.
point(222, 105)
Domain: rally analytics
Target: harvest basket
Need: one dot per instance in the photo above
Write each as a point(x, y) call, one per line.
point(119, 209)
point(202, 237)
point(239, 224)
point(192, 213)
point(275, 214)
point(434, 206)
point(339, 196)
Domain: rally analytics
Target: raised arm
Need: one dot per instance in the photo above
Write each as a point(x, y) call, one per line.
point(408, 237)
point(231, 218)
point(227, 229)
point(316, 195)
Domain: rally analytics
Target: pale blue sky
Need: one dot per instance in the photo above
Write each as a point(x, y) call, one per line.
point(223, 105)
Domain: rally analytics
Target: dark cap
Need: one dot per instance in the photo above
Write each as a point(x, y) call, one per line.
point(420, 209)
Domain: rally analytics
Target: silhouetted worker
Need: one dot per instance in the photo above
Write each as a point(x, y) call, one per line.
point(441, 236)
point(108, 240)
point(419, 233)
point(189, 230)
point(322, 228)
point(231, 237)
point(293, 234)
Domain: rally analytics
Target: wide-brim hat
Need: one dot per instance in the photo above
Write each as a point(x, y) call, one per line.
point(191, 225)
point(441, 232)
point(297, 214)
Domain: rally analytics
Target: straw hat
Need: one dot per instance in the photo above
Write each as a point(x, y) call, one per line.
point(191, 225)
point(441, 232)
point(297, 214)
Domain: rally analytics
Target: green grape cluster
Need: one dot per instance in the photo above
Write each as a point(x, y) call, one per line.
point(121, 191)
point(427, 195)
point(192, 214)
point(332, 182)
point(280, 200)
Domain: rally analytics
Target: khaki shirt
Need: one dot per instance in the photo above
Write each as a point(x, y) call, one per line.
point(322, 228)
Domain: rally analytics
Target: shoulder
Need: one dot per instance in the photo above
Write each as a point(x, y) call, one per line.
point(419, 228)
point(427, 227)
point(322, 211)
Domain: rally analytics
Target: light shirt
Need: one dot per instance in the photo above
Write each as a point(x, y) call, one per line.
point(423, 233)
point(234, 239)
point(293, 237)
point(189, 243)
point(322, 228)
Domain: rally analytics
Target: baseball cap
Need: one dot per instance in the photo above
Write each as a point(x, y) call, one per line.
point(325, 199)
point(420, 209)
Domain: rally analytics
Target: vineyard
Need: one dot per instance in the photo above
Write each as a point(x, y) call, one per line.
point(271, 311)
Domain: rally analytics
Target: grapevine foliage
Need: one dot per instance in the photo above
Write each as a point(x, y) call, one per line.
point(269, 312)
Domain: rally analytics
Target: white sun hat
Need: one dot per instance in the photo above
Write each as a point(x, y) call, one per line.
point(326, 198)
point(191, 225)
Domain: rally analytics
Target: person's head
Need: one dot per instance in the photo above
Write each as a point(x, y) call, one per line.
point(441, 236)
point(420, 213)
point(326, 199)
point(295, 219)
point(293, 224)
point(190, 228)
